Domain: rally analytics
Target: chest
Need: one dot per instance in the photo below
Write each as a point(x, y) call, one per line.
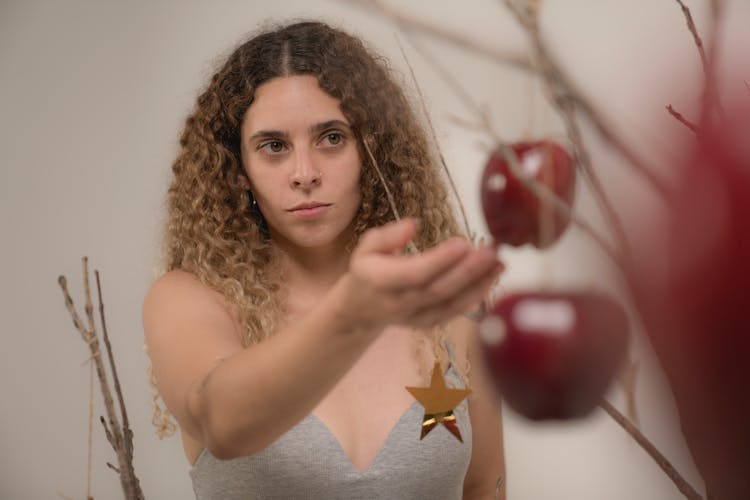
point(363, 409)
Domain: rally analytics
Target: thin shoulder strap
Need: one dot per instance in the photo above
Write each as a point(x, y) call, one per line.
point(449, 347)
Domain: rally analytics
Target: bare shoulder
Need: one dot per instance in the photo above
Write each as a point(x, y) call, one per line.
point(183, 290)
point(188, 330)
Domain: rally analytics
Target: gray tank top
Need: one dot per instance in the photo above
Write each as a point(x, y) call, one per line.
point(308, 462)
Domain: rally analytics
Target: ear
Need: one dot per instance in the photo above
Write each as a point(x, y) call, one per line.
point(244, 183)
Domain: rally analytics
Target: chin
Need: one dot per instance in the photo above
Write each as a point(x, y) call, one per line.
point(315, 236)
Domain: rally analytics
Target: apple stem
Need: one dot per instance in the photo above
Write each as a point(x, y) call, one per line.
point(649, 447)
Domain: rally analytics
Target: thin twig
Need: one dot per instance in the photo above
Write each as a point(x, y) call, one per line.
point(544, 193)
point(107, 432)
point(696, 37)
point(558, 96)
point(469, 233)
point(649, 447)
point(91, 429)
point(712, 88)
point(409, 23)
point(573, 93)
point(628, 377)
point(552, 77)
point(447, 76)
point(63, 282)
point(540, 190)
point(128, 480)
point(391, 200)
point(127, 433)
point(681, 118)
point(710, 98)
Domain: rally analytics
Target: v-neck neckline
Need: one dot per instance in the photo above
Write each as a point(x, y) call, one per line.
point(346, 458)
point(383, 446)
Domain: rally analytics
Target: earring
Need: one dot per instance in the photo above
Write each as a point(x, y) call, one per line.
point(253, 203)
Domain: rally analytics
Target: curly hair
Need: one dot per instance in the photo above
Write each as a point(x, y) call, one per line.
point(214, 231)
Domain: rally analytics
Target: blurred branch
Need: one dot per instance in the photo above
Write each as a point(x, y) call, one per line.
point(680, 118)
point(570, 90)
point(469, 233)
point(538, 189)
point(411, 23)
point(710, 98)
point(527, 15)
point(649, 447)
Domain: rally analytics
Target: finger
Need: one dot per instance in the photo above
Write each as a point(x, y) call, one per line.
point(466, 300)
point(399, 273)
point(469, 270)
point(388, 238)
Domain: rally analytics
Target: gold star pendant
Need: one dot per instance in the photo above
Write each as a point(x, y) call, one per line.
point(439, 402)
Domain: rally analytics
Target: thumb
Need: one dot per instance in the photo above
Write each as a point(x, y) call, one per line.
point(390, 238)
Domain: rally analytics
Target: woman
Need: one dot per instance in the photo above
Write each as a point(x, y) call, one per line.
point(291, 318)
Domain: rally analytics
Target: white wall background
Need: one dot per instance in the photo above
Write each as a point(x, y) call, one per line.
point(93, 95)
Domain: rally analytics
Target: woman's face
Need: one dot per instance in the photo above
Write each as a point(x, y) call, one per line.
point(302, 161)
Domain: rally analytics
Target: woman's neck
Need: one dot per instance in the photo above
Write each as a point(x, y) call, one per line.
point(313, 270)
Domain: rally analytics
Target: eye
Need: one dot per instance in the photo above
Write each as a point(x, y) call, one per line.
point(334, 138)
point(273, 147)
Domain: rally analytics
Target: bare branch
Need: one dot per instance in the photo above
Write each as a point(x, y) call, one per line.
point(538, 189)
point(696, 37)
point(63, 282)
point(545, 194)
point(649, 447)
point(628, 377)
point(467, 228)
point(127, 433)
point(710, 95)
point(113, 431)
point(680, 118)
point(411, 23)
point(568, 88)
point(90, 441)
point(108, 433)
point(391, 200)
point(566, 108)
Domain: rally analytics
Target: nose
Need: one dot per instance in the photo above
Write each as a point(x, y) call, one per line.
point(304, 175)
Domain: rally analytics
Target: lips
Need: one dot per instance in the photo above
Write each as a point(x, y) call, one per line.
point(311, 210)
point(308, 205)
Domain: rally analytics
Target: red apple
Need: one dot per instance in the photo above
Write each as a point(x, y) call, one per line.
point(553, 355)
point(514, 214)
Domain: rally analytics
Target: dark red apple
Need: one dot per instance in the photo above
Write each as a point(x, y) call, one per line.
point(693, 292)
point(515, 215)
point(553, 355)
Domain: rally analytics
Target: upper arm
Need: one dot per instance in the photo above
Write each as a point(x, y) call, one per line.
point(487, 456)
point(188, 332)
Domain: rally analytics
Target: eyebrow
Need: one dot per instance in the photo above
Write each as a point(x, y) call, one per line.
point(314, 129)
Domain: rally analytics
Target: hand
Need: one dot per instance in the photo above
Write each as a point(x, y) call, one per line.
point(383, 287)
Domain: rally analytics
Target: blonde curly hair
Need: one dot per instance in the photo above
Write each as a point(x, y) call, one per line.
point(214, 231)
